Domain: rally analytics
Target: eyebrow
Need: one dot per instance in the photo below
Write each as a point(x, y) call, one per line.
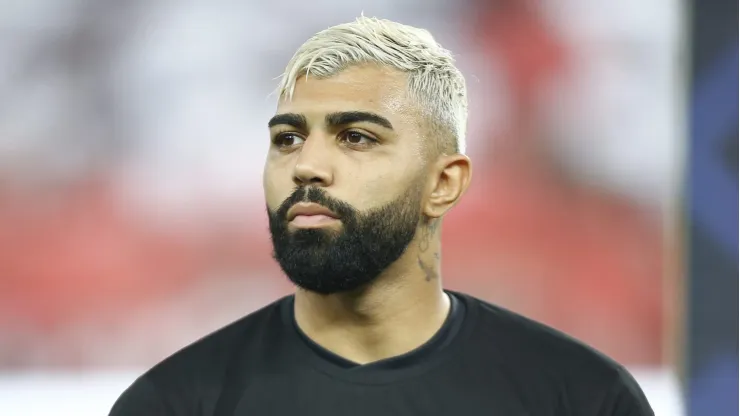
point(349, 117)
point(334, 119)
point(290, 119)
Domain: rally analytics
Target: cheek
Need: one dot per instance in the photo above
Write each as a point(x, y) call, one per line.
point(383, 188)
point(276, 188)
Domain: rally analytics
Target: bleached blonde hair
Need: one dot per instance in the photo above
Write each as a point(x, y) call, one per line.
point(433, 79)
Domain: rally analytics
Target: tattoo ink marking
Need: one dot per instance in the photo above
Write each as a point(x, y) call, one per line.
point(429, 272)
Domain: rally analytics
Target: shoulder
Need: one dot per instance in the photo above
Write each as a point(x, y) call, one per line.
point(140, 398)
point(529, 342)
point(196, 372)
point(579, 375)
point(215, 350)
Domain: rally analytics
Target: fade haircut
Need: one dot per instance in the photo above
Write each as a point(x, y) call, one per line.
point(434, 82)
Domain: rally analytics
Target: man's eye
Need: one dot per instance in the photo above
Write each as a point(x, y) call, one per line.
point(357, 138)
point(288, 140)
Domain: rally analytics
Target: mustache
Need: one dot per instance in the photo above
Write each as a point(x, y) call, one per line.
point(317, 196)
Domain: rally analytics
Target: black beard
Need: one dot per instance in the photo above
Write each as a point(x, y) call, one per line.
point(328, 261)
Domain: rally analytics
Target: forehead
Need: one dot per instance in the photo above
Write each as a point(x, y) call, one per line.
point(358, 88)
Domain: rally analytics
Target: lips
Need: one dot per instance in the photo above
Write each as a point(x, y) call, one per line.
point(310, 209)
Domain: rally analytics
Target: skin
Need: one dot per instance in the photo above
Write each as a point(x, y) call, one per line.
point(368, 165)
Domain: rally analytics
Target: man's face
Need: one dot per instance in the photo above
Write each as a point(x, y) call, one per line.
point(344, 178)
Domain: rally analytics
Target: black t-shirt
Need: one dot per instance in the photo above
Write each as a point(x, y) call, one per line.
point(485, 360)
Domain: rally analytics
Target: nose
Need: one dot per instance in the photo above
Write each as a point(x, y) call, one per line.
point(314, 166)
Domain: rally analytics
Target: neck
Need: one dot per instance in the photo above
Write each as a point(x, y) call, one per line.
point(399, 312)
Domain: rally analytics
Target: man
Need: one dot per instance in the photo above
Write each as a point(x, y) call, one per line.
point(366, 159)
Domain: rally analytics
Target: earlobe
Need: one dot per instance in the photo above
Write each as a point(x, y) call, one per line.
point(451, 179)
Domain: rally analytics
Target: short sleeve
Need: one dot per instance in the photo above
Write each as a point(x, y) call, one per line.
point(140, 399)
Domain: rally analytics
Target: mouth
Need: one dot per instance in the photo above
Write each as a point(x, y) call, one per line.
point(310, 215)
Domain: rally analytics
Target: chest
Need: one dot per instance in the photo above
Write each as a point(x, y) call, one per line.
point(423, 396)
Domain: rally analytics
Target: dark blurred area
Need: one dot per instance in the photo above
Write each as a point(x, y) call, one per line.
point(712, 336)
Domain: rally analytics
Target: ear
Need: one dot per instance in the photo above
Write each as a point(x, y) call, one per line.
point(450, 178)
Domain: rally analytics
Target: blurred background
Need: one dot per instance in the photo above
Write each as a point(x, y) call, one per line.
point(132, 140)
